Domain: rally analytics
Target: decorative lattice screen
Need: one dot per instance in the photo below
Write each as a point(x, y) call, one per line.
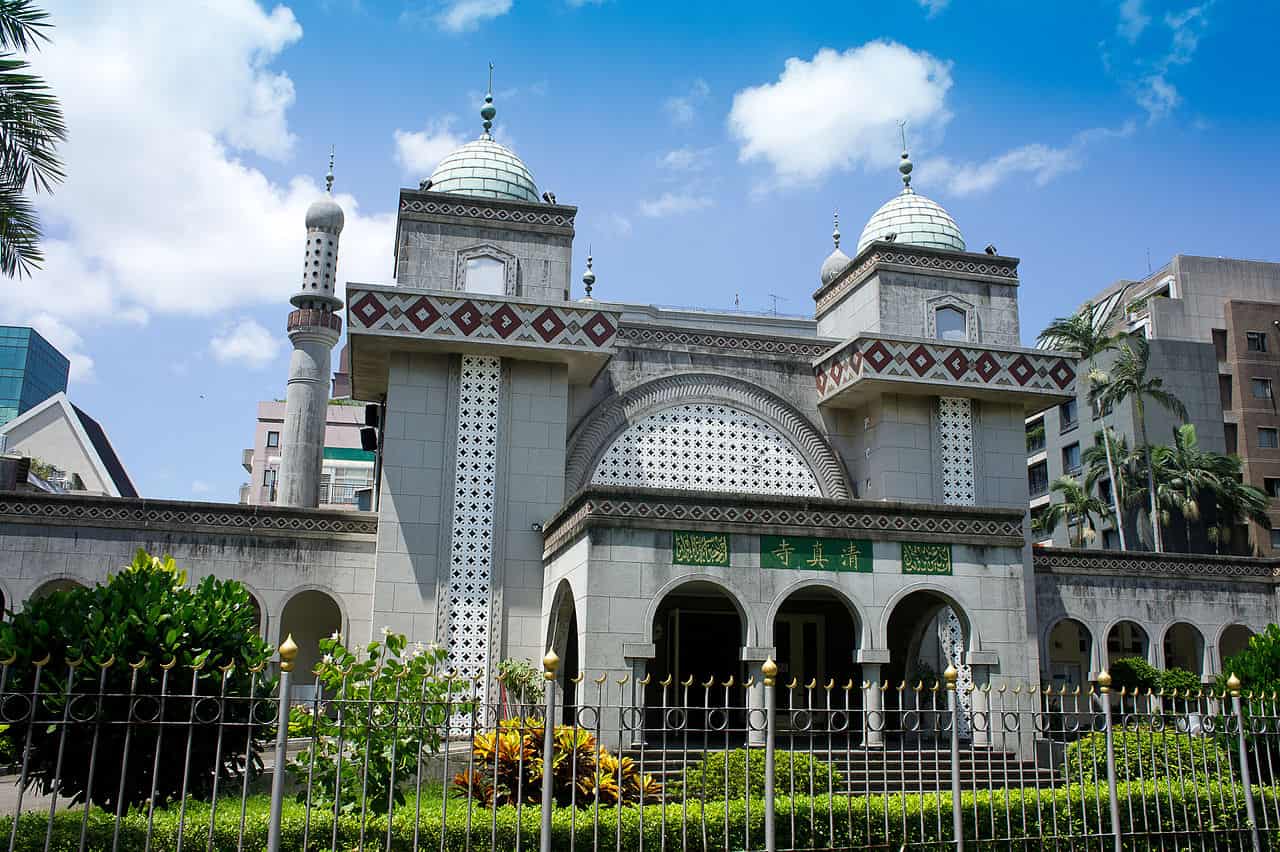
point(951, 638)
point(706, 447)
point(955, 441)
point(471, 544)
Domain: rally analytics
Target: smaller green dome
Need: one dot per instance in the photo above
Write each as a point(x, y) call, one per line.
point(486, 169)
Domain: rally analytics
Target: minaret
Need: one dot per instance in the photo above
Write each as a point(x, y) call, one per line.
point(313, 330)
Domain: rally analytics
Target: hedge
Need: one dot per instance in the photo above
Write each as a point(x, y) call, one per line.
point(794, 773)
point(1072, 812)
point(1145, 753)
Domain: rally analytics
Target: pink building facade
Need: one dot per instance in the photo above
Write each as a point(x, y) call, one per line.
point(347, 470)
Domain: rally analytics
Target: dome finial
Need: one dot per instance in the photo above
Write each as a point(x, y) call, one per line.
point(905, 165)
point(835, 233)
point(588, 277)
point(487, 112)
point(328, 179)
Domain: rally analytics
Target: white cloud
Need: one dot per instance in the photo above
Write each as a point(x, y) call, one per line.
point(1042, 163)
point(1133, 20)
point(1157, 96)
point(934, 7)
point(618, 224)
point(671, 204)
point(686, 159)
point(840, 110)
point(682, 109)
point(246, 343)
point(464, 15)
point(67, 341)
point(162, 211)
point(199, 486)
point(419, 152)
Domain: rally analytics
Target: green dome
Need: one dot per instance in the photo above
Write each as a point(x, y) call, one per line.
point(486, 169)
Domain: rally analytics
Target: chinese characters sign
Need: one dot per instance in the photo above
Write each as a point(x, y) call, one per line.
point(696, 548)
point(918, 558)
point(815, 554)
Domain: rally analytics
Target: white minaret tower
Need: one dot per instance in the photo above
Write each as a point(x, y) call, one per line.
point(313, 329)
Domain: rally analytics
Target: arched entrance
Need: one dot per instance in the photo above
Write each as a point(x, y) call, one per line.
point(309, 616)
point(815, 637)
point(562, 637)
point(698, 632)
point(1184, 648)
point(1234, 639)
point(61, 584)
point(1069, 651)
point(1126, 639)
point(927, 632)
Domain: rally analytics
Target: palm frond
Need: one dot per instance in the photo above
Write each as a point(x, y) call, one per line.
point(31, 126)
point(20, 252)
point(23, 25)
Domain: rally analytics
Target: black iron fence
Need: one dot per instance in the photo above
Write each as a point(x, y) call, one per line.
point(438, 763)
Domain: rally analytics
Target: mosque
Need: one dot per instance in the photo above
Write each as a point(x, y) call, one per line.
point(672, 492)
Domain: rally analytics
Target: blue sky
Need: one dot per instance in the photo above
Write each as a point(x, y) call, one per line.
point(706, 145)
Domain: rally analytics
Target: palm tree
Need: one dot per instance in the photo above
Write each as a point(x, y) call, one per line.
point(1084, 333)
point(1078, 507)
point(1236, 503)
point(1110, 458)
point(1130, 380)
point(1185, 475)
point(31, 126)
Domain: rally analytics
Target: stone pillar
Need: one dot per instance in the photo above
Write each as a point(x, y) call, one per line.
point(637, 655)
point(981, 664)
point(313, 332)
point(755, 716)
point(873, 661)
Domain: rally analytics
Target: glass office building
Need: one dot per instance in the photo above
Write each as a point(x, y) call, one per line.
point(31, 371)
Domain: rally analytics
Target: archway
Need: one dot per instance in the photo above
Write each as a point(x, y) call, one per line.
point(926, 633)
point(698, 631)
point(1126, 639)
point(562, 637)
point(309, 616)
point(815, 637)
point(256, 605)
point(1184, 648)
point(1069, 651)
point(61, 584)
point(1234, 639)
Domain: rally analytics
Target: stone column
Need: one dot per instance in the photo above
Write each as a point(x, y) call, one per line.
point(755, 716)
point(637, 656)
point(873, 661)
point(313, 332)
point(980, 664)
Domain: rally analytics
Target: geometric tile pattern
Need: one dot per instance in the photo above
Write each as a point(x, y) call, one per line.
point(633, 334)
point(706, 447)
point(1062, 560)
point(471, 537)
point(623, 506)
point(972, 366)
point(955, 442)
point(472, 317)
point(559, 218)
point(118, 512)
point(1002, 269)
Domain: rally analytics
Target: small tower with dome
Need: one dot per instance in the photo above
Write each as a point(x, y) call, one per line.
point(314, 329)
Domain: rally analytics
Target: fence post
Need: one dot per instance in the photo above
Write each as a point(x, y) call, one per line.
point(1104, 687)
point(550, 663)
point(770, 671)
point(288, 651)
point(1233, 684)
point(953, 704)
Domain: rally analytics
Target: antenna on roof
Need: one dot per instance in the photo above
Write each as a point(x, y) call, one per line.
point(1148, 260)
point(776, 298)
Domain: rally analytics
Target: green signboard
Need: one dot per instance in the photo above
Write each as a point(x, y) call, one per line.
point(815, 554)
point(697, 548)
point(920, 558)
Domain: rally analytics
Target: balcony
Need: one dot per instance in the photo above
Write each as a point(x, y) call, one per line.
point(246, 460)
point(381, 319)
point(871, 364)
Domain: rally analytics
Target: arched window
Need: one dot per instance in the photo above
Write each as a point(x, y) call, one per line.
point(486, 276)
point(951, 324)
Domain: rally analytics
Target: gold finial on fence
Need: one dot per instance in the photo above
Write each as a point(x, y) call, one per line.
point(770, 672)
point(1233, 684)
point(288, 652)
point(711, 681)
point(951, 676)
point(1104, 681)
point(550, 664)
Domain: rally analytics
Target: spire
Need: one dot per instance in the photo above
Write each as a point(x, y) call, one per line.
point(588, 278)
point(835, 233)
point(328, 179)
point(487, 112)
point(905, 166)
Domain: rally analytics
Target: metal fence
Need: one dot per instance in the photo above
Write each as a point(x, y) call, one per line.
point(621, 764)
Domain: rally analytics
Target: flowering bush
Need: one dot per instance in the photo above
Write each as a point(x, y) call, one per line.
point(374, 717)
point(508, 768)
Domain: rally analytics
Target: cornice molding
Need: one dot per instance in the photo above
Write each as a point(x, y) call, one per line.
point(1059, 560)
point(630, 334)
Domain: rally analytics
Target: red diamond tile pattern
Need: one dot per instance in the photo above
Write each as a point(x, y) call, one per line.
point(422, 314)
point(548, 324)
point(505, 321)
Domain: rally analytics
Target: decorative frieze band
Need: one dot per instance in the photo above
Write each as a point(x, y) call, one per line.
point(178, 516)
point(663, 509)
point(1064, 560)
point(559, 217)
point(1002, 268)
point(754, 345)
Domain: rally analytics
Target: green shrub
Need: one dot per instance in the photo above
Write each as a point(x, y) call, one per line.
point(794, 773)
point(1258, 665)
point(1181, 681)
point(522, 681)
point(1134, 673)
point(182, 635)
point(397, 712)
point(1145, 754)
point(1151, 816)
